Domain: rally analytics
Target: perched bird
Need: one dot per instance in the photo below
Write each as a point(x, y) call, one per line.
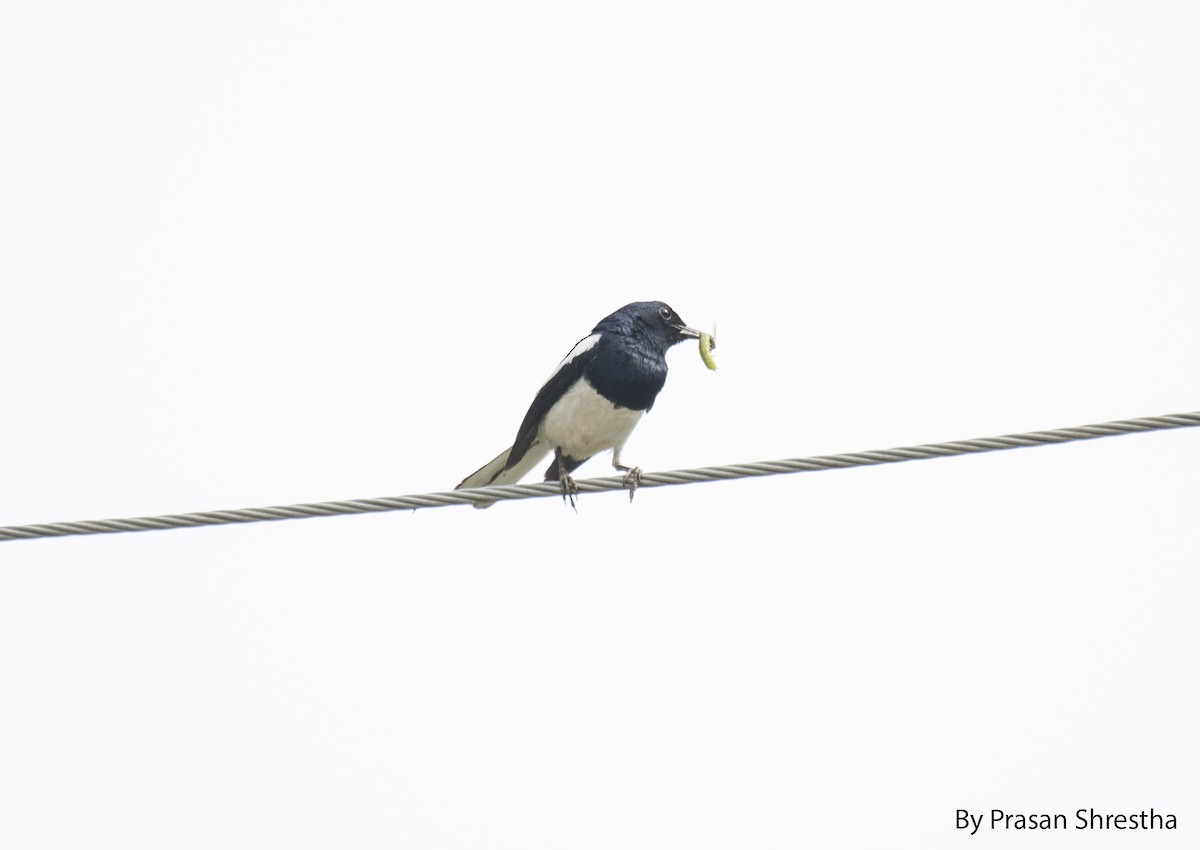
point(594, 399)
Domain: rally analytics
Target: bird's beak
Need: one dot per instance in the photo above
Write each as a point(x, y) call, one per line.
point(687, 333)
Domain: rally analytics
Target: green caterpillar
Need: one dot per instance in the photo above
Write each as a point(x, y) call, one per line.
point(707, 344)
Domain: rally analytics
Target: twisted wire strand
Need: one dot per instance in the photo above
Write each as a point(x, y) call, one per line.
point(486, 495)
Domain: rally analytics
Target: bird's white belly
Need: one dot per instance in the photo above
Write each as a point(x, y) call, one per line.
point(583, 422)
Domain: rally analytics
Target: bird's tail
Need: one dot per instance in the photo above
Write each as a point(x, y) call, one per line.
point(486, 475)
point(495, 473)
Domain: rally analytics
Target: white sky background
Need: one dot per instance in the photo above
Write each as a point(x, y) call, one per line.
point(268, 253)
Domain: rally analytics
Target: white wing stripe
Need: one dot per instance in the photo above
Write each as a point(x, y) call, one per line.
point(583, 345)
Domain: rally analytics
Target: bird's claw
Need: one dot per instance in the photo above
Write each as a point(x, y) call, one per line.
point(633, 478)
point(569, 489)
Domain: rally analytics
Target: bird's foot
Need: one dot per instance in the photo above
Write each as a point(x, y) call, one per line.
point(633, 478)
point(569, 489)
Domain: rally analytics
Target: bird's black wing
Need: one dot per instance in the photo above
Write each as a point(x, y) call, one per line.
point(569, 371)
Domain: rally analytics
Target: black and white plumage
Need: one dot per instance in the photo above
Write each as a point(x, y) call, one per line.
point(592, 402)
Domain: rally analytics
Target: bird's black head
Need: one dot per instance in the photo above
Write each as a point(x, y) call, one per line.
point(651, 320)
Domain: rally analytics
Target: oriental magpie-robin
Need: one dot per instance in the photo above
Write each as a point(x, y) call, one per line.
point(594, 399)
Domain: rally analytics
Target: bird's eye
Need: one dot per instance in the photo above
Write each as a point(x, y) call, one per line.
point(665, 312)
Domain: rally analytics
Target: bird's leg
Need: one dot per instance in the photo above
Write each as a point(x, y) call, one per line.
point(633, 474)
point(565, 481)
